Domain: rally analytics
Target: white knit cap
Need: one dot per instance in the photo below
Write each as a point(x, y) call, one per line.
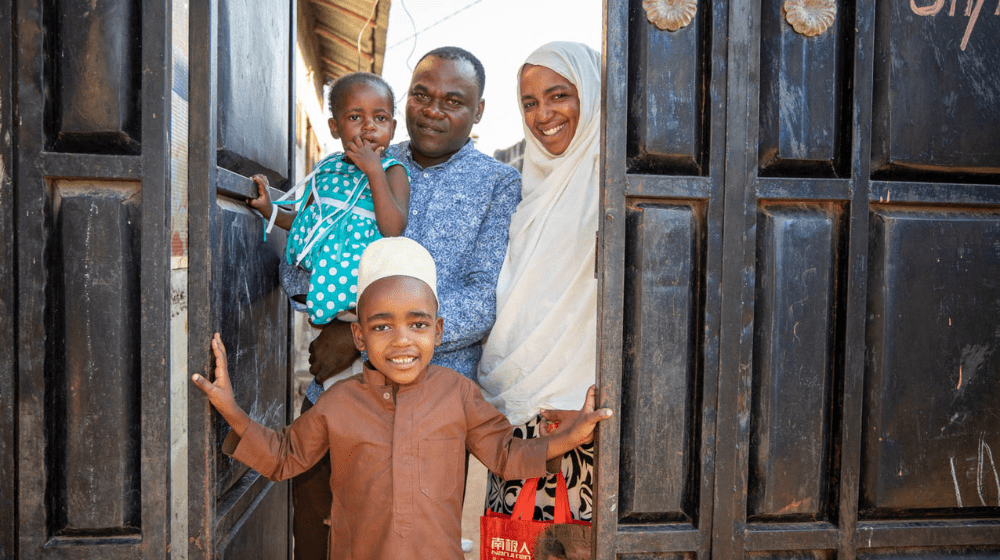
point(396, 256)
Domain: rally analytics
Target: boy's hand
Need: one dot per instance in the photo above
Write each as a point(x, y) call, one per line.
point(554, 418)
point(262, 203)
point(364, 154)
point(220, 392)
point(570, 429)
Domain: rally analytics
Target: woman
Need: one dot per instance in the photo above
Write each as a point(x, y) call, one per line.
point(541, 353)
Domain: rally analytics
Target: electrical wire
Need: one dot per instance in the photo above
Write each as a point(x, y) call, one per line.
point(360, 33)
point(435, 24)
point(413, 26)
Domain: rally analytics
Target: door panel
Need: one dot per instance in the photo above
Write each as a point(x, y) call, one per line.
point(802, 95)
point(261, 530)
point(96, 44)
point(935, 90)
point(97, 235)
point(666, 103)
point(660, 391)
point(254, 68)
point(251, 328)
point(932, 336)
point(795, 320)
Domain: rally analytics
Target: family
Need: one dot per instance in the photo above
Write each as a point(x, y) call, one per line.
point(457, 303)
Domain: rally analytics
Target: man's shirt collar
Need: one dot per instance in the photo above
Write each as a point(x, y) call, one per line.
point(407, 155)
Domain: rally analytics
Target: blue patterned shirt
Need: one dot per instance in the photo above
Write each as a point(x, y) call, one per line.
point(460, 211)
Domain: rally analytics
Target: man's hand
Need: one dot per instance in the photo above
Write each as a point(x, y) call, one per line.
point(262, 203)
point(332, 351)
point(220, 392)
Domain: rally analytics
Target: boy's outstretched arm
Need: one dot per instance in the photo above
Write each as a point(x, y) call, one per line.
point(220, 392)
point(578, 430)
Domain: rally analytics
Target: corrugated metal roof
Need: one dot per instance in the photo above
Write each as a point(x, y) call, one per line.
point(335, 27)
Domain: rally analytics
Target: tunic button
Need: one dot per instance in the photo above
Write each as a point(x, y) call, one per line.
point(385, 396)
point(414, 212)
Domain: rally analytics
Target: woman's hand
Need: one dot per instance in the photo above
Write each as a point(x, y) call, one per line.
point(574, 428)
point(220, 392)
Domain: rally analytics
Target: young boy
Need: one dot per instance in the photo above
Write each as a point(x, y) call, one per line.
point(397, 433)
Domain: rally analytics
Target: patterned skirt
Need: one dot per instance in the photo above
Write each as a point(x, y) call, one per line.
point(577, 468)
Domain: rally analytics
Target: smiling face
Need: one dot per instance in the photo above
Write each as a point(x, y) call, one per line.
point(398, 327)
point(364, 110)
point(551, 107)
point(442, 104)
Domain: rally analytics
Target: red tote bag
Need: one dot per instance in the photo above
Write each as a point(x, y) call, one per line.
point(516, 536)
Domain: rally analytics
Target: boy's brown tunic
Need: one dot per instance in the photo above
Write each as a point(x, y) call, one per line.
point(398, 462)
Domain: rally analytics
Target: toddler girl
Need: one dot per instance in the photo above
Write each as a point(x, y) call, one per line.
point(355, 197)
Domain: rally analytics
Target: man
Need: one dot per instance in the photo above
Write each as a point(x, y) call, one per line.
point(461, 202)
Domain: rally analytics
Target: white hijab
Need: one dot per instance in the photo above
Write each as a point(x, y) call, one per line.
point(542, 352)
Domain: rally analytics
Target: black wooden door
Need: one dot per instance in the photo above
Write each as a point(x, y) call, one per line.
point(799, 257)
point(241, 122)
point(127, 131)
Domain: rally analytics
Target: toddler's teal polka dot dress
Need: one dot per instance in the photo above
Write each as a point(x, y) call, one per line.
point(329, 235)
